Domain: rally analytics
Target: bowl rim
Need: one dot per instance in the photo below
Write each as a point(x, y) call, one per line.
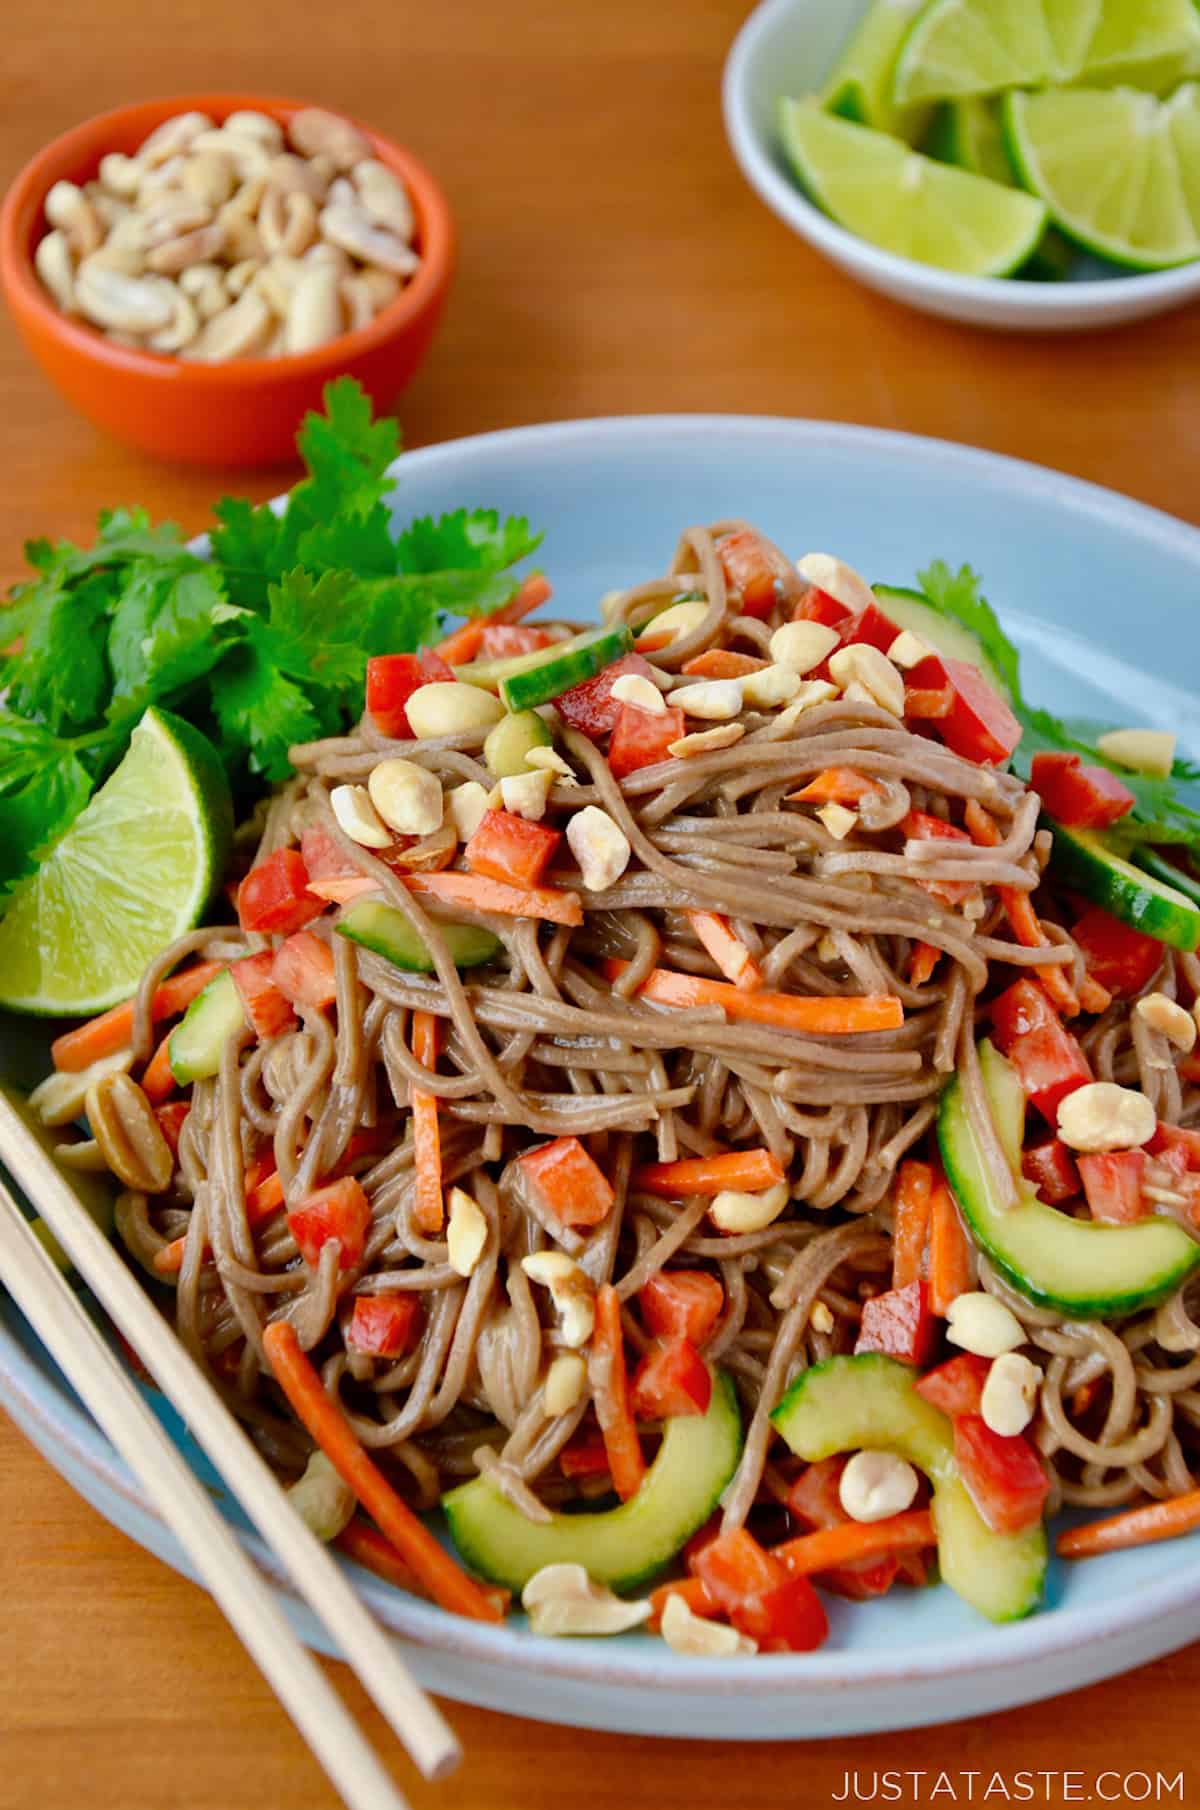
point(980, 1650)
point(21, 215)
point(788, 201)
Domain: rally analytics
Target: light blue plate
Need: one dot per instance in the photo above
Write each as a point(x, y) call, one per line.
point(1102, 596)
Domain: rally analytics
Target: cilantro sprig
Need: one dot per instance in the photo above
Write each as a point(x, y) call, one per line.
point(1164, 811)
point(262, 644)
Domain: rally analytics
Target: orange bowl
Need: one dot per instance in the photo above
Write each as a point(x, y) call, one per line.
point(243, 412)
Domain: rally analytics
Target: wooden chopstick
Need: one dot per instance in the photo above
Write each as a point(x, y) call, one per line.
point(372, 1653)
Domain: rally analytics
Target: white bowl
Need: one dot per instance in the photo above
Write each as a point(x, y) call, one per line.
point(788, 47)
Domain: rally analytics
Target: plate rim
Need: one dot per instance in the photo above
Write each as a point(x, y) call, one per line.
point(979, 1649)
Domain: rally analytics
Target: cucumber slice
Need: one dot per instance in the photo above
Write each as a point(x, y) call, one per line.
point(553, 670)
point(1085, 863)
point(1076, 1266)
point(870, 1401)
point(214, 1016)
point(387, 932)
point(491, 675)
point(909, 609)
point(1161, 869)
point(510, 741)
point(624, 1546)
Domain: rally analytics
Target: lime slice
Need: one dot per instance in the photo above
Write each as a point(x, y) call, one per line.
point(970, 134)
point(906, 203)
point(1117, 169)
point(860, 87)
point(135, 870)
point(961, 47)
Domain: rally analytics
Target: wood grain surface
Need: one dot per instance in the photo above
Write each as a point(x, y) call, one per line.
point(613, 262)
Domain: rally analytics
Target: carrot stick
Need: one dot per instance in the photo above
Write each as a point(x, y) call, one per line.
point(830, 1547)
point(723, 663)
point(749, 1170)
point(816, 1016)
point(910, 1227)
point(610, 1392)
point(464, 644)
point(445, 1580)
point(340, 889)
point(105, 1035)
point(265, 1198)
point(949, 1251)
point(925, 959)
point(695, 1593)
point(1136, 1527)
point(836, 785)
point(1018, 909)
point(727, 949)
point(535, 590)
point(368, 1548)
point(472, 891)
point(158, 1082)
point(428, 1206)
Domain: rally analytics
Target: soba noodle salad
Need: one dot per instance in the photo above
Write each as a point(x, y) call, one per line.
point(669, 1094)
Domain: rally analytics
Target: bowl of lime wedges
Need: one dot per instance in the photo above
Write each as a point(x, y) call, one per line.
point(1021, 164)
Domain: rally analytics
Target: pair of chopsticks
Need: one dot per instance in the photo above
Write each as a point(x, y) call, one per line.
point(60, 1321)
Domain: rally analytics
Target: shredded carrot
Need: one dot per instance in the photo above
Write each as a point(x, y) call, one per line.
point(111, 1032)
point(836, 785)
point(814, 1015)
point(436, 1572)
point(723, 663)
point(464, 644)
point(914, 1190)
point(727, 949)
point(158, 1082)
point(925, 959)
point(262, 1199)
point(340, 889)
point(610, 1392)
point(1018, 909)
point(1136, 1527)
point(1093, 997)
point(651, 643)
point(949, 1251)
point(535, 590)
point(368, 1548)
point(750, 1170)
point(695, 1593)
point(428, 1206)
point(1082, 1398)
point(472, 891)
point(830, 1547)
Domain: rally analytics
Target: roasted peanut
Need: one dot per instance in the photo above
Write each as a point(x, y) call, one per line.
point(384, 198)
point(315, 132)
point(123, 1124)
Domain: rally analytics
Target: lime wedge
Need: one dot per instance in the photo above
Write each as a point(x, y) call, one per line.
point(860, 88)
point(961, 47)
point(909, 204)
point(135, 869)
point(1117, 169)
point(970, 134)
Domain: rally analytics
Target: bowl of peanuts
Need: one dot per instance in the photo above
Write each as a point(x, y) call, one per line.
point(190, 273)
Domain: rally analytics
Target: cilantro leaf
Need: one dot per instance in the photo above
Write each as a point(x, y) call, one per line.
point(360, 544)
point(165, 634)
point(249, 545)
point(346, 452)
point(260, 710)
point(958, 594)
point(43, 787)
point(474, 540)
point(60, 676)
point(318, 629)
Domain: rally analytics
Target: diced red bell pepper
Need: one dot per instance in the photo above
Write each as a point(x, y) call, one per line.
point(923, 826)
point(928, 705)
point(642, 738)
point(267, 1009)
point(303, 970)
point(590, 706)
point(900, 1323)
point(755, 1592)
point(567, 1183)
point(815, 1500)
point(671, 1379)
point(584, 1457)
point(749, 569)
point(383, 1325)
point(503, 640)
point(1051, 1168)
point(980, 725)
point(1081, 798)
point(391, 681)
point(339, 1210)
point(1048, 1059)
point(1112, 1182)
point(956, 1387)
point(1115, 955)
point(818, 606)
point(681, 1303)
point(1176, 1138)
point(170, 1118)
point(870, 628)
point(1004, 1476)
point(321, 855)
point(511, 848)
point(274, 896)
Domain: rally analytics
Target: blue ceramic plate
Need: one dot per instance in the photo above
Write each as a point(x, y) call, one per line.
point(1101, 595)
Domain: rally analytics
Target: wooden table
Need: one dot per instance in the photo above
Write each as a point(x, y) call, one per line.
point(612, 262)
